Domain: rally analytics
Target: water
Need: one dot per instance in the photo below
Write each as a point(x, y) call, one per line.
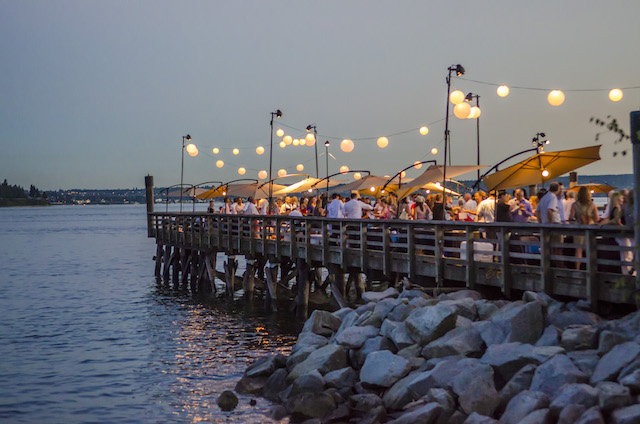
point(87, 337)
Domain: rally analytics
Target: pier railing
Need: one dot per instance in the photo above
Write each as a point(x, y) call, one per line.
point(509, 256)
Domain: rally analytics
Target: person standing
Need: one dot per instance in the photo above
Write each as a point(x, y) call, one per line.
point(335, 209)
point(567, 203)
point(583, 212)
point(503, 208)
point(520, 209)
point(547, 211)
point(487, 210)
point(250, 208)
point(354, 207)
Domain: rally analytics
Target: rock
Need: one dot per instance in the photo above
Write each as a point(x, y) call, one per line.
point(576, 394)
point(400, 337)
point(340, 414)
point(412, 294)
point(630, 368)
point(278, 412)
point(564, 319)
point(383, 369)
point(553, 374)
point(370, 296)
point(628, 415)
point(490, 332)
point(308, 339)
point(418, 384)
point(459, 341)
point(550, 337)
point(375, 416)
point(380, 312)
point(322, 323)
point(227, 401)
point(400, 312)
point(426, 414)
point(522, 405)
point(354, 337)
point(485, 309)
point(570, 414)
point(365, 402)
point(308, 383)
point(342, 378)
point(609, 339)
point(464, 307)
point(541, 297)
point(579, 337)
point(327, 358)
point(387, 328)
point(613, 396)
point(373, 344)
point(310, 405)
point(431, 322)
point(443, 398)
point(275, 384)
point(300, 355)
point(458, 417)
point(632, 380)
point(475, 388)
point(367, 307)
point(540, 416)
point(266, 365)
point(409, 352)
point(628, 326)
point(476, 418)
point(613, 362)
point(251, 386)
point(518, 383)
point(341, 313)
point(349, 320)
point(465, 294)
point(506, 359)
point(585, 360)
point(522, 323)
point(591, 416)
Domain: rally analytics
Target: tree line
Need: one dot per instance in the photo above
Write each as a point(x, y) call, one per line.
point(17, 192)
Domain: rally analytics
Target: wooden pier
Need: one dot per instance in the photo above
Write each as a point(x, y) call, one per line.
point(508, 257)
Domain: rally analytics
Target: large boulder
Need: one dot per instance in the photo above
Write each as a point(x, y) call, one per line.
point(591, 416)
point(609, 339)
point(585, 360)
point(328, 358)
point(310, 405)
point(309, 340)
point(574, 394)
point(476, 418)
point(555, 373)
point(400, 394)
point(628, 415)
point(465, 307)
point(522, 405)
point(227, 401)
point(613, 395)
point(299, 355)
point(631, 380)
point(564, 319)
point(322, 322)
point(427, 414)
point(550, 337)
point(570, 414)
point(613, 362)
point(266, 365)
point(348, 320)
point(430, 322)
point(400, 336)
point(518, 383)
point(464, 341)
point(506, 359)
point(354, 337)
point(371, 296)
point(383, 369)
point(276, 383)
point(539, 416)
point(522, 323)
point(490, 332)
point(579, 337)
point(308, 383)
point(475, 388)
point(373, 344)
point(341, 379)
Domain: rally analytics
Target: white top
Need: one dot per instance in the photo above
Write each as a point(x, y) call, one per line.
point(549, 201)
point(295, 212)
point(354, 207)
point(250, 209)
point(487, 210)
point(286, 207)
point(335, 209)
point(263, 206)
point(566, 204)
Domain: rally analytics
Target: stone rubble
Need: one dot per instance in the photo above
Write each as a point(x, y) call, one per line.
point(409, 358)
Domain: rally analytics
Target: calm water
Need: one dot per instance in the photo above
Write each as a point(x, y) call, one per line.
point(87, 337)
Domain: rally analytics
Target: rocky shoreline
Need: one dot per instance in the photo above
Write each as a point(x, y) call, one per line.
point(410, 358)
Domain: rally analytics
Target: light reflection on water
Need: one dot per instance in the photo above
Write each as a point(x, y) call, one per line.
point(86, 336)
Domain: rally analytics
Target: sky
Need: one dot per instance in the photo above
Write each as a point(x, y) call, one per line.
point(98, 94)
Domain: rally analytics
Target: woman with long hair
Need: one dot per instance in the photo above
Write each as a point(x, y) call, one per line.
point(421, 210)
point(583, 212)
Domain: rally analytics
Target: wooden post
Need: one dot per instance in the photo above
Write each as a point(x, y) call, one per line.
point(302, 297)
point(591, 254)
point(230, 274)
point(545, 261)
point(248, 282)
point(338, 286)
point(271, 298)
point(167, 260)
point(148, 184)
point(471, 263)
point(439, 259)
point(506, 263)
point(159, 254)
point(210, 262)
point(364, 252)
point(634, 119)
point(411, 250)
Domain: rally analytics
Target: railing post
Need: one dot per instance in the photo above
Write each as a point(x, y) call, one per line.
point(278, 241)
point(471, 263)
point(439, 257)
point(506, 262)
point(591, 255)
point(293, 244)
point(307, 239)
point(545, 261)
point(411, 251)
point(343, 244)
point(325, 243)
point(386, 250)
point(364, 258)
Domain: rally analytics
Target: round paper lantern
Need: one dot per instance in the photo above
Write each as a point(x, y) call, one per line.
point(236, 151)
point(434, 151)
point(357, 175)
point(383, 142)
point(456, 97)
point(215, 150)
point(241, 171)
point(280, 132)
point(296, 142)
point(475, 112)
point(417, 164)
point(555, 98)
point(462, 110)
point(219, 164)
point(259, 150)
point(300, 167)
point(311, 139)
point(344, 169)
point(503, 91)
point(283, 144)
point(282, 172)
point(403, 174)
point(615, 95)
point(424, 130)
point(262, 174)
point(287, 139)
point(302, 142)
point(192, 149)
point(347, 145)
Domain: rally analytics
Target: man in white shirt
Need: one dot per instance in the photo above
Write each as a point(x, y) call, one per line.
point(250, 207)
point(487, 210)
point(354, 207)
point(547, 211)
point(286, 207)
point(263, 206)
point(567, 202)
point(335, 209)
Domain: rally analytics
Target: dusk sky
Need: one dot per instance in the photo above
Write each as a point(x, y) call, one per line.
point(98, 94)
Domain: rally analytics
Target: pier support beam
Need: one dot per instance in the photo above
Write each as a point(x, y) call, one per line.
point(271, 295)
point(230, 273)
point(248, 281)
point(302, 297)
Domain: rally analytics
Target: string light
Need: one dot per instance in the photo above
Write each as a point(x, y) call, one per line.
point(310, 139)
point(287, 140)
point(456, 97)
point(282, 172)
point(192, 149)
point(280, 132)
point(220, 164)
point(347, 145)
point(259, 150)
point(262, 174)
point(503, 91)
point(283, 144)
point(357, 175)
point(344, 169)
point(434, 151)
point(462, 110)
point(615, 95)
point(236, 151)
point(424, 130)
point(555, 98)
point(382, 142)
point(296, 142)
point(215, 150)
point(241, 171)
point(300, 167)
point(417, 164)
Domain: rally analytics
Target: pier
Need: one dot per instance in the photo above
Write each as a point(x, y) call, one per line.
point(505, 257)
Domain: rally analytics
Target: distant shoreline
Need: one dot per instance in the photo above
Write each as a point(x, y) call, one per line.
point(23, 202)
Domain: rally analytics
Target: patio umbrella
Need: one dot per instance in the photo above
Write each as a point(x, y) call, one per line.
point(306, 184)
point(593, 188)
point(530, 171)
point(435, 173)
point(239, 190)
point(188, 192)
point(437, 188)
point(364, 184)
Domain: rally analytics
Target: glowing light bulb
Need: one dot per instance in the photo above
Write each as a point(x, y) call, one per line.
point(545, 173)
point(347, 145)
point(280, 132)
point(259, 150)
point(462, 110)
point(300, 167)
point(262, 174)
point(503, 91)
point(555, 98)
point(403, 174)
point(344, 169)
point(382, 142)
point(372, 189)
point(296, 142)
point(215, 150)
point(417, 164)
point(283, 144)
point(311, 139)
point(219, 164)
point(241, 171)
point(475, 112)
point(282, 172)
point(424, 130)
point(357, 175)
point(456, 97)
point(434, 151)
point(192, 150)
point(236, 151)
point(615, 95)
point(287, 140)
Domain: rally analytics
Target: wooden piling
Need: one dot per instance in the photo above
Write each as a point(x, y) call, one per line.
point(302, 297)
point(248, 282)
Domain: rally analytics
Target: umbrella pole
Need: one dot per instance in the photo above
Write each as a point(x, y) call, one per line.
point(635, 141)
point(446, 139)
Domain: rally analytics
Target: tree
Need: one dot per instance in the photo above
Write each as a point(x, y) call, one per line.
point(34, 192)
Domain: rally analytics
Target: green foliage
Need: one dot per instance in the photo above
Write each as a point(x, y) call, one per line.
point(611, 125)
point(11, 192)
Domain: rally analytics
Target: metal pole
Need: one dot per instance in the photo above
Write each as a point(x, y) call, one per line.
point(635, 142)
point(315, 133)
point(270, 166)
point(326, 148)
point(446, 140)
point(182, 173)
point(478, 132)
